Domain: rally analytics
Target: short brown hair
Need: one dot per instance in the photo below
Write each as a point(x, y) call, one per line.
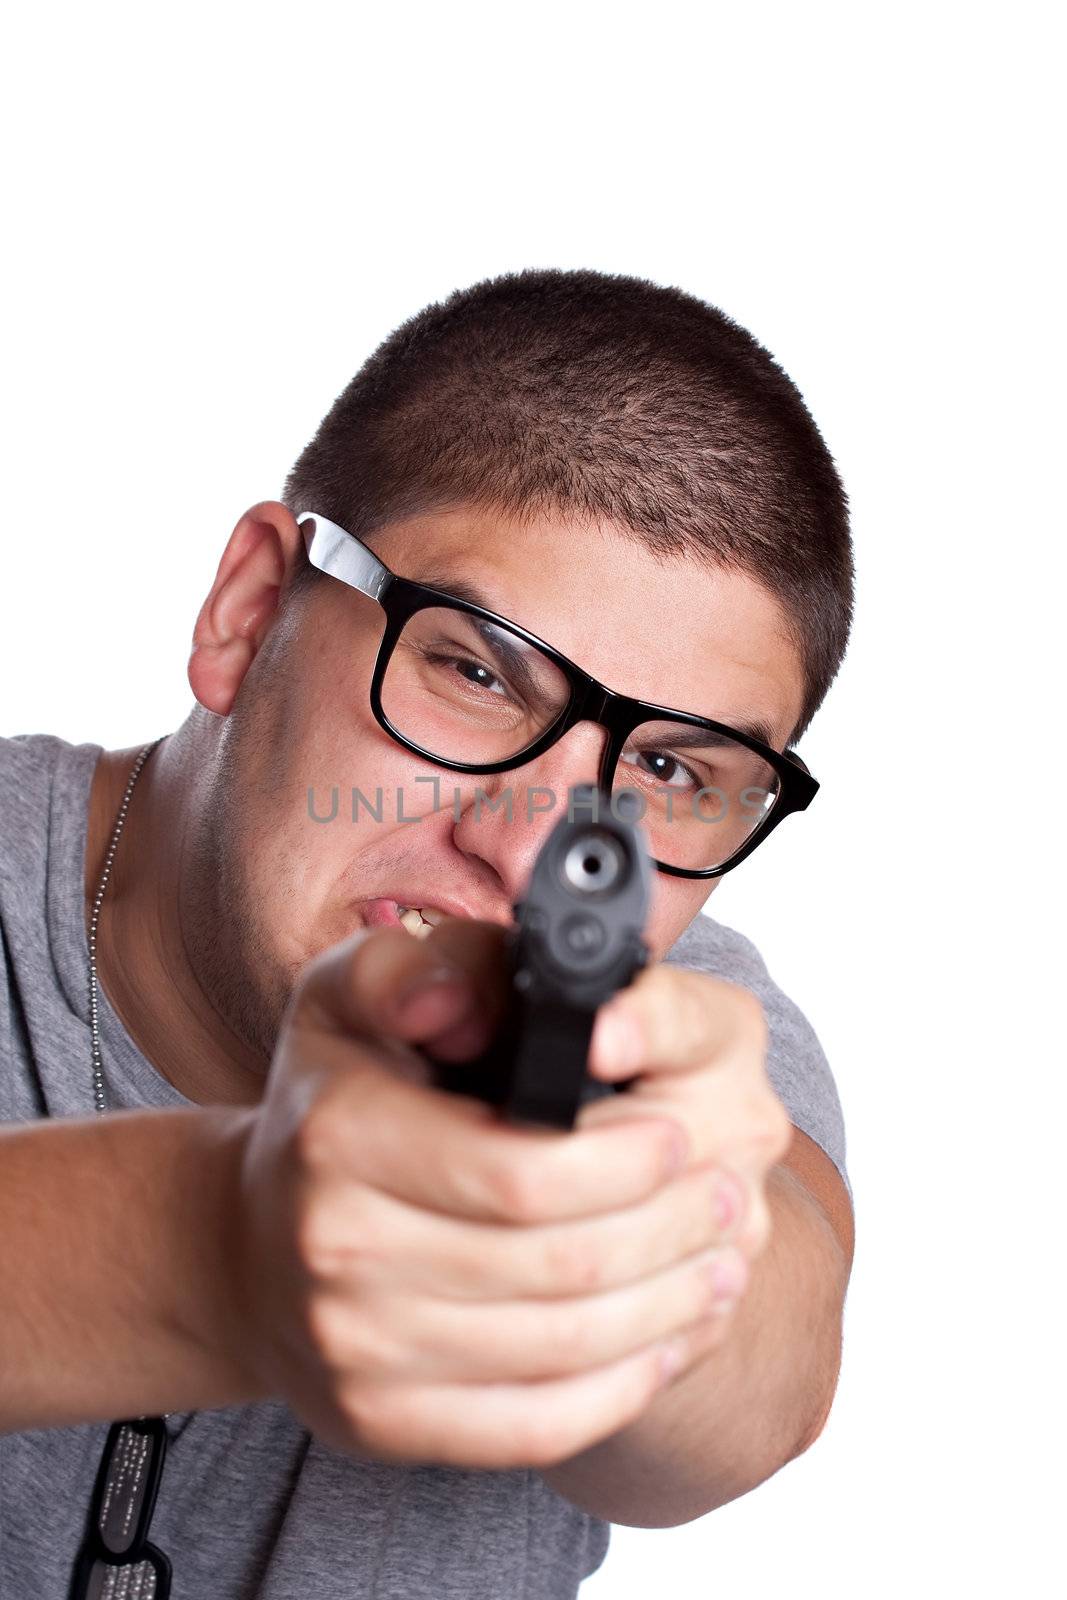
point(601, 396)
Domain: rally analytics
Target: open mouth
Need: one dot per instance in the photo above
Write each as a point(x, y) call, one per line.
point(418, 920)
point(384, 911)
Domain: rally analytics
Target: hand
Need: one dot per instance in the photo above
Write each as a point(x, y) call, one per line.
point(698, 1047)
point(419, 1279)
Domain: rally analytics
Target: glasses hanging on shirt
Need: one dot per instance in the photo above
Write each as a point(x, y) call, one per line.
point(116, 1561)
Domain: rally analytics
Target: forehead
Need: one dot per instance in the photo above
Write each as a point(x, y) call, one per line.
point(677, 630)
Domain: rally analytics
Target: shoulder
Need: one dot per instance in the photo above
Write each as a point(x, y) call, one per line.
point(796, 1062)
point(710, 946)
point(29, 763)
point(27, 771)
point(44, 783)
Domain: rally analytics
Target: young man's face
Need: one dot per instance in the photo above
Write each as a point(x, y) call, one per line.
point(675, 631)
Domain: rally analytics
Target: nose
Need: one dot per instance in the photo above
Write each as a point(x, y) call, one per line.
point(510, 814)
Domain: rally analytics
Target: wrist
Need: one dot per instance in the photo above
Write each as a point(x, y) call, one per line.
point(209, 1307)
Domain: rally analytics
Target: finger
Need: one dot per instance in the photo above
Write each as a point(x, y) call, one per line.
point(453, 1154)
point(407, 1338)
point(499, 1427)
point(702, 1338)
point(381, 1242)
point(673, 1019)
point(385, 984)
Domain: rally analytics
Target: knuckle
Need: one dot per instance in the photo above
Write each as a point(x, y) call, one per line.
point(350, 1343)
point(770, 1130)
point(332, 1241)
point(539, 1440)
point(688, 993)
point(757, 1228)
point(324, 1331)
point(314, 1243)
point(370, 1350)
point(751, 1016)
point(783, 1134)
point(682, 1007)
point(367, 1414)
point(513, 1192)
point(570, 1267)
point(320, 1136)
point(569, 1339)
point(784, 1127)
point(777, 1130)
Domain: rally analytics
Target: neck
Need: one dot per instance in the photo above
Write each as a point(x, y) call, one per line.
point(142, 946)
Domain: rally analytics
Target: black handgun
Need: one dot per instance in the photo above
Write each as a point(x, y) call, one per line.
point(577, 941)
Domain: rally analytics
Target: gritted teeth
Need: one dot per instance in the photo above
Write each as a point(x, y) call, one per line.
point(419, 920)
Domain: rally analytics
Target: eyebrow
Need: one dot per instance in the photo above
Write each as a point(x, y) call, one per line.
point(459, 589)
point(690, 738)
point(682, 739)
point(512, 658)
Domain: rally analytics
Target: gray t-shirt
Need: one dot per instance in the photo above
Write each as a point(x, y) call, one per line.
point(251, 1507)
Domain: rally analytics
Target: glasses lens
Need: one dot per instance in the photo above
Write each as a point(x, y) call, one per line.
point(131, 1474)
point(137, 1580)
point(468, 690)
point(700, 794)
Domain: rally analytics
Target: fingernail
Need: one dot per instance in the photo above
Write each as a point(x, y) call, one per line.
point(727, 1200)
point(728, 1274)
point(672, 1358)
point(619, 1041)
point(677, 1149)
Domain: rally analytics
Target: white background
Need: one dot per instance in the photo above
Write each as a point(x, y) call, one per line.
point(213, 213)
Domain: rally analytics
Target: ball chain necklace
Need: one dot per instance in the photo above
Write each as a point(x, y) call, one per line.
point(99, 1095)
point(115, 1561)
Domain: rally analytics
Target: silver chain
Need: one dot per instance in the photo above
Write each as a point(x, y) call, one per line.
point(99, 1095)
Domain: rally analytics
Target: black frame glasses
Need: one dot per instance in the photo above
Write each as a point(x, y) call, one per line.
point(116, 1561)
point(335, 551)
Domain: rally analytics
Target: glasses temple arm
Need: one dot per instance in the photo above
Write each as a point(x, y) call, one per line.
point(332, 549)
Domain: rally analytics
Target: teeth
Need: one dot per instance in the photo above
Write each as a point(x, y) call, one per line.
point(419, 919)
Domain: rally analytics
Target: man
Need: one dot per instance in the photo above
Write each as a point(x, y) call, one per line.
point(403, 1346)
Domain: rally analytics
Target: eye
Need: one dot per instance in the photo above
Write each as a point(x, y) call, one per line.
point(469, 668)
point(662, 766)
point(477, 673)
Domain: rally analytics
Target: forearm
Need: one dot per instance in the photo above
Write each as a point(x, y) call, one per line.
point(744, 1410)
point(113, 1266)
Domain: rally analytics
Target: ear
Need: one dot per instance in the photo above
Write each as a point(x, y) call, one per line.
point(258, 563)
